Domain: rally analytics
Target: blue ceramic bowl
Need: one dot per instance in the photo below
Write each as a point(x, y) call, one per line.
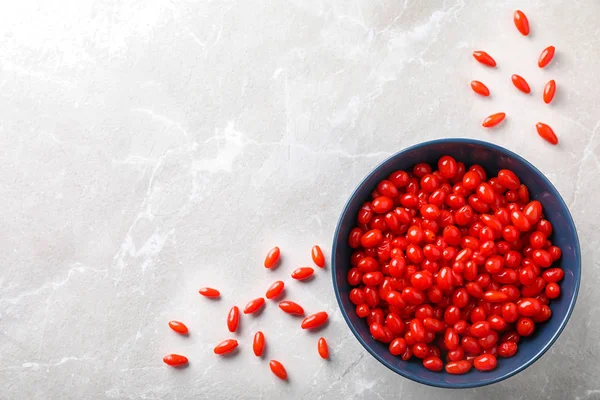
point(492, 158)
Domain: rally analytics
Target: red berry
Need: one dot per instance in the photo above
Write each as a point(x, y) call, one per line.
point(254, 305)
point(258, 344)
point(314, 320)
point(520, 83)
point(549, 91)
point(458, 367)
point(433, 363)
point(272, 257)
point(278, 369)
point(493, 120)
point(322, 348)
point(521, 22)
point(291, 308)
point(480, 88)
point(546, 133)
point(275, 290)
point(209, 292)
point(317, 255)
point(175, 360)
point(233, 319)
point(302, 273)
point(507, 349)
point(485, 362)
point(397, 346)
point(552, 290)
point(178, 327)
point(484, 58)
point(525, 326)
point(546, 56)
point(226, 346)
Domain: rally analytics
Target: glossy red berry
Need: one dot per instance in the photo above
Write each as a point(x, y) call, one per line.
point(553, 275)
point(485, 362)
point(480, 88)
point(382, 204)
point(480, 329)
point(458, 367)
point(520, 221)
point(549, 91)
point(397, 346)
point(175, 360)
point(422, 280)
point(413, 296)
point(493, 120)
point(433, 363)
point(484, 58)
point(322, 348)
point(495, 296)
point(178, 327)
point(546, 56)
point(362, 310)
point(314, 320)
point(317, 256)
point(546, 133)
point(521, 22)
point(507, 349)
point(451, 339)
point(233, 319)
point(528, 307)
point(508, 179)
point(291, 308)
point(226, 346)
point(552, 290)
point(520, 83)
point(272, 257)
point(371, 238)
point(209, 292)
point(254, 305)
point(278, 369)
point(354, 238)
point(542, 258)
point(525, 326)
point(275, 290)
point(302, 273)
point(258, 344)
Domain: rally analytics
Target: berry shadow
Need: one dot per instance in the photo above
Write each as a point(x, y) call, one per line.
point(297, 316)
point(306, 280)
point(240, 326)
point(559, 97)
point(319, 328)
point(231, 354)
point(279, 296)
point(280, 261)
point(265, 353)
point(258, 312)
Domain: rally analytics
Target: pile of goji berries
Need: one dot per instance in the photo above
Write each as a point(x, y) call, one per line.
point(452, 266)
point(545, 131)
point(274, 291)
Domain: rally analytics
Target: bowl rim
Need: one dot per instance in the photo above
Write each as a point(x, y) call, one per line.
point(442, 384)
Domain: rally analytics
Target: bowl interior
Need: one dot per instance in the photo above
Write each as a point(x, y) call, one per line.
point(492, 158)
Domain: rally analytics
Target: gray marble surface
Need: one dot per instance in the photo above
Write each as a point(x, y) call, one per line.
point(152, 147)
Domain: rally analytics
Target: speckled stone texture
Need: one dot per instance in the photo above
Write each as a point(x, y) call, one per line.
point(152, 147)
